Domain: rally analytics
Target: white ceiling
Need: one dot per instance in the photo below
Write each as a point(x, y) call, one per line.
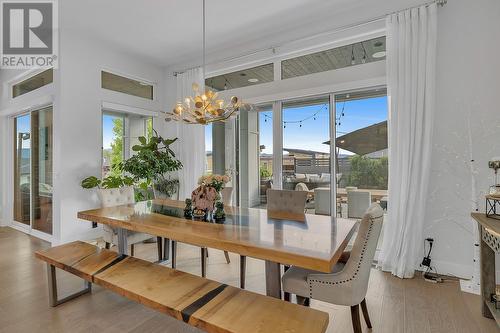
point(168, 32)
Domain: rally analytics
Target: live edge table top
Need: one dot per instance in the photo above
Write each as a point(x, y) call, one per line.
point(309, 241)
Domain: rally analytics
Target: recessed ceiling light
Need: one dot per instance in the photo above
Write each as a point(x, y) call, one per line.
point(253, 80)
point(380, 54)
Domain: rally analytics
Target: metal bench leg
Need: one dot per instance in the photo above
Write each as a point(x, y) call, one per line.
point(204, 252)
point(53, 301)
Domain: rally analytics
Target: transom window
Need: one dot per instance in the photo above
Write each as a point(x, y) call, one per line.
point(126, 85)
point(36, 81)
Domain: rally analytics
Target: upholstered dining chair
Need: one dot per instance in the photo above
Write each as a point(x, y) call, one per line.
point(348, 282)
point(286, 202)
point(121, 196)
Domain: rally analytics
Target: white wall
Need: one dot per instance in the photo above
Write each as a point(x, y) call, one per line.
point(468, 90)
point(78, 122)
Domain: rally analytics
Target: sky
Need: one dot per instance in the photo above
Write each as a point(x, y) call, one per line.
point(107, 131)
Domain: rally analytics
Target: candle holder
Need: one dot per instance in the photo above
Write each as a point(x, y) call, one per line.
point(493, 207)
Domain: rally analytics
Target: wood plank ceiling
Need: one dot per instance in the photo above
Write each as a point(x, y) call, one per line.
point(322, 61)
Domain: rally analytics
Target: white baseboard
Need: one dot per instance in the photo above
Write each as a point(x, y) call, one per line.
point(452, 269)
point(470, 286)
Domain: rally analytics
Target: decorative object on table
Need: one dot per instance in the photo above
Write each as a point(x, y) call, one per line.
point(200, 214)
point(493, 206)
point(188, 210)
point(495, 165)
point(495, 298)
point(212, 182)
point(219, 214)
point(204, 198)
point(204, 107)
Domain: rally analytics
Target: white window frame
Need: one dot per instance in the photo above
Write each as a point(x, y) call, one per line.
point(131, 77)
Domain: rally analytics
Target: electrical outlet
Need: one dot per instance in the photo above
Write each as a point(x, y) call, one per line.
point(426, 262)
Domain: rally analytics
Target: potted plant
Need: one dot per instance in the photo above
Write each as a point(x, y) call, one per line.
point(151, 165)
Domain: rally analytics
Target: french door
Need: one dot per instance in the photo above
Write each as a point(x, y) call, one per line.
point(33, 158)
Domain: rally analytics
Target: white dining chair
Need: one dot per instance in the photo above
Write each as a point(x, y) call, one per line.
point(115, 197)
point(322, 201)
point(348, 282)
point(358, 202)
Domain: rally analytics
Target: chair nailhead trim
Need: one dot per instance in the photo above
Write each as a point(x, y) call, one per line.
point(354, 276)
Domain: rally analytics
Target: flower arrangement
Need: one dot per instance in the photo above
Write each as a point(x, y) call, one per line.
point(216, 181)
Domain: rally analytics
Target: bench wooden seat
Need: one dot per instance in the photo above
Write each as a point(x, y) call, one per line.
point(200, 302)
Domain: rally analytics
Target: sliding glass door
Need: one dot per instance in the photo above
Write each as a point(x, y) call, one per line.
point(22, 169)
point(306, 150)
point(265, 121)
point(333, 146)
point(361, 151)
point(33, 170)
point(41, 169)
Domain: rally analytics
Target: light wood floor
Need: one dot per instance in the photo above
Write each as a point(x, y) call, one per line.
point(395, 305)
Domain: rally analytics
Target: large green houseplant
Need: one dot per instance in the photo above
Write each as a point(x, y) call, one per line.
point(150, 166)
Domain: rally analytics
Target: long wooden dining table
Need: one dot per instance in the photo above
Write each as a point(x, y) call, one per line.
point(314, 242)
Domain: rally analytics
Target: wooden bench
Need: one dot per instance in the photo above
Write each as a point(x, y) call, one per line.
point(203, 303)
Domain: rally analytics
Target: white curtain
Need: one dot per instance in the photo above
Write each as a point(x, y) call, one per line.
point(411, 62)
point(191, 143)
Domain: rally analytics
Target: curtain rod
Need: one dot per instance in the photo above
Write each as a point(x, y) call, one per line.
point(440, 3)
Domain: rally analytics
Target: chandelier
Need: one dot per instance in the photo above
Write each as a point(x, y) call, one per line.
point(204, 106)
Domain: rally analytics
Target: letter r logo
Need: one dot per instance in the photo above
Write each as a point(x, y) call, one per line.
point(27, 27)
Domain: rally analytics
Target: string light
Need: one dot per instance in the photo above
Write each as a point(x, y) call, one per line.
point(313, 116)
point(342, 114)
point(364, 53)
